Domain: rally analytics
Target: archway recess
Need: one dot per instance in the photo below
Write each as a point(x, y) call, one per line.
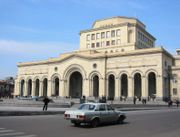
point(137, 85)
point(75, 85)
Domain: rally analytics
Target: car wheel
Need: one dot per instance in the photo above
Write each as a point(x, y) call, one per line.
point(120, 120)
point(95, 123)
point(77, 124)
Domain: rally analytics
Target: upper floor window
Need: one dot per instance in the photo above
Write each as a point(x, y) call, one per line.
point(92, 45)
point(102, 35)
point(118, 32)
point(98, 36)
point(107, 43)
point(178, 52)
point(88, 37)
point(93, 37)
point(97, 44)
point(113, 42)
point(113, 33)
point(108, 35)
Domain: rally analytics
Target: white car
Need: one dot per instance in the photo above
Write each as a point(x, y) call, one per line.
point(94, 114)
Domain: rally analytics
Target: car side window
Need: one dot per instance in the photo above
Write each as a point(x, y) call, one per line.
point(102, 108)
point(109, 108)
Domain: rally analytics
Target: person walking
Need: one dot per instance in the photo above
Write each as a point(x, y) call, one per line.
point(134, 100)
point(177, 103)
point(46, 100)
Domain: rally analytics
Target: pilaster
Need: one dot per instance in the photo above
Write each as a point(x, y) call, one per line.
point(85, 89)
point(144, 87)
point(33, 88)
point(49, 88)
point(117, 87)
point(130, 87)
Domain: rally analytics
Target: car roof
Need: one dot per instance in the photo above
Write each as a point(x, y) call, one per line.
point(93, 103)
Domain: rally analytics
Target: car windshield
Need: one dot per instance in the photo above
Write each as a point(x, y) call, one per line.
point(87, 107)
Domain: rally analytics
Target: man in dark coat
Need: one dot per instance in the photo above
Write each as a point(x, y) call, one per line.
point(46, 100)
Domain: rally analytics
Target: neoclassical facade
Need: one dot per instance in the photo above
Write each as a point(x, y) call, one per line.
point(117, 58)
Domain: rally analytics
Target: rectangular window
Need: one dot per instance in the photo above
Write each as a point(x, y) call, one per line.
point(88, 37)
point(102, 35)
point(93, 37)
point(174, 91)
point(107, 43)
point(97, 44)
point(92, 45)
point(113, 42)
point(98, 36)
point(108, 34)
point(118, 32)
point(113, 33)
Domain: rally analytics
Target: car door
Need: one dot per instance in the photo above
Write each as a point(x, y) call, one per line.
point(103, 113)
point(112, 115)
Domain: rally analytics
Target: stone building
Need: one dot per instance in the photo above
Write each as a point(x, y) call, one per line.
point(117, 59)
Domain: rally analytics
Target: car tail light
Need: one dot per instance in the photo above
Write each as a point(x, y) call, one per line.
point(81, 117)
point(66, 116)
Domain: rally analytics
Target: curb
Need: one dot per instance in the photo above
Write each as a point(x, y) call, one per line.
point(29, 113)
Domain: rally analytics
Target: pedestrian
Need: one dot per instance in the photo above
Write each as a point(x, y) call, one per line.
point(46, 100)
point(134, 100)
point(170, 103)
point(177, 103)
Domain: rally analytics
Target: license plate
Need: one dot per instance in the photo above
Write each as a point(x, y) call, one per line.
point(73, 116)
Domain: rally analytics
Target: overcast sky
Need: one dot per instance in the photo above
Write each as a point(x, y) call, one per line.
point(33, 30)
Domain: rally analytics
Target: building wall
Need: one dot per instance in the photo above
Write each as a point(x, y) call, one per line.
point(134, 55)
point(110, 64)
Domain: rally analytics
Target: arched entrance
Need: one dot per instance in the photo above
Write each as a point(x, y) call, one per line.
point(56, 87)
point(96, 86)
point(45, 86)
point(151, 84)
point(75, 85)
point(111, 87)
point(29, 87)
point(22, 88)
point(37, 87)
point(137, 85)
point(124, 85)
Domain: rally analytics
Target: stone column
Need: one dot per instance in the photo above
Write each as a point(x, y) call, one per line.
point(85, 88)
point(16, 88)
point(117, 93)
point(102, 87)
point(49, 88)
point(159, 87)
point(144, 87)
point(25, 88)
point(130, 87)
point(61, 88)
point(40, 88)
point(33, 88)
point(52, 87)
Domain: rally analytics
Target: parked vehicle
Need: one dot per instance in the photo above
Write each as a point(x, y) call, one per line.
point(94, 114)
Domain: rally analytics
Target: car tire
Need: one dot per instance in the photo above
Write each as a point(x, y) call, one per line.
point(121, 120)
point(77, 124)
point(94, 123)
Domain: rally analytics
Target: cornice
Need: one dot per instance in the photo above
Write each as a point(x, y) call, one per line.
point(98, 56)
